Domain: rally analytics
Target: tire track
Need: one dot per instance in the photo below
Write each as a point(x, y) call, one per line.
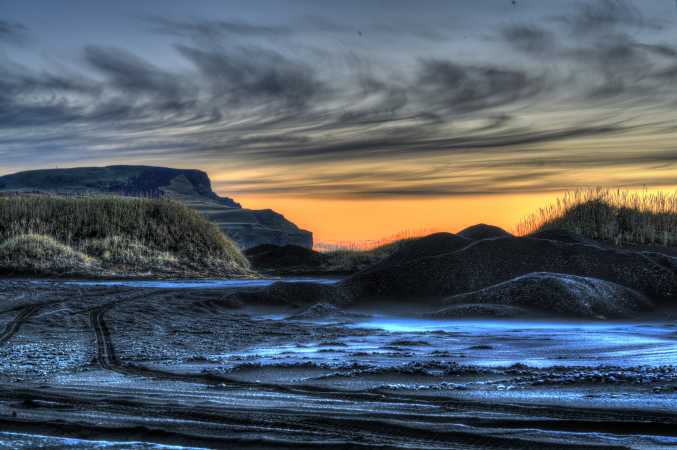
point(105, 355)
point(551, 420)
point(224, 425)
point(11, 329)
point(548, 420)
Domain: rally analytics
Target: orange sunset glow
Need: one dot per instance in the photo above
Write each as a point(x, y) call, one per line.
point(335, 220)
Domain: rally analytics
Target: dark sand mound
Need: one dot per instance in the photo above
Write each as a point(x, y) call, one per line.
point(563, 236)
point(667, 261)
point(483, 231)
point(488, 262)
point(325, 311)
point(582, 281)
point(432, 245)
point(554, 293)
point(291, 294)
point(475, 310)
point(295, 260)
point(661, 254)
point(288, 258)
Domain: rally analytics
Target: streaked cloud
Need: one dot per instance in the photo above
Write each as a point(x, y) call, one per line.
point(319, 111)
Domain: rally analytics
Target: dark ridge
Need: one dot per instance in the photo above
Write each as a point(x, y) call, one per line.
point(479, 310)
point(483, 231)
point(432, 245)
point(133, 181)
point(562, 236)
point(248, 228)
point(274, 258)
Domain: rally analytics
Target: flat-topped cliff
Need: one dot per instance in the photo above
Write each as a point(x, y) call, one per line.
point(248, 228)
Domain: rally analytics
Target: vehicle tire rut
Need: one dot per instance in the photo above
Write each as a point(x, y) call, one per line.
point(11, 329)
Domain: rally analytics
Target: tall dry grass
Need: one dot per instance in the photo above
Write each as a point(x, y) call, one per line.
point(370, 244)
point(119, 230)
point(617, 215)
point(33, 253)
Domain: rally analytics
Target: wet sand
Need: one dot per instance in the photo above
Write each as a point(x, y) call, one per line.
point(148, 366)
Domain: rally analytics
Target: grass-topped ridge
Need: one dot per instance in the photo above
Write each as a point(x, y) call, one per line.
point(111, 235)
point(620, 216)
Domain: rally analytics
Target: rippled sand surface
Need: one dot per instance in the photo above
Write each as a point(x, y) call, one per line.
point(151, 366)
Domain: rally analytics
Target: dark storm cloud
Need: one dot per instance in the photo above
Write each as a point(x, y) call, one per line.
point(250, 94)
point(417, 141)
point(387, 100)
point(12, 32)
point(529, 38)
point(135, 77)
point(35, 98)
point(604, 56)
point(464, 88)
point(213, 29)
point(423, 31)
point(216, 30)
point(248, 75)
point(602, 16)
point(508, 174)
point(619, 64)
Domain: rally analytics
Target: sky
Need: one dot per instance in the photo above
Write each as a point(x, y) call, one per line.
point(355, 119)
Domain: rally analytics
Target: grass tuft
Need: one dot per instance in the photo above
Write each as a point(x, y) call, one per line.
point(619, 216)
point(121, 233)
point(35, 253)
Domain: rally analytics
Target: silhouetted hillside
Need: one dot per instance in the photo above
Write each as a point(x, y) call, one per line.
point(246, 227)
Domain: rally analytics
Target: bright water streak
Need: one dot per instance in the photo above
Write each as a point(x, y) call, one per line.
point(200, 284)
point(487, 343)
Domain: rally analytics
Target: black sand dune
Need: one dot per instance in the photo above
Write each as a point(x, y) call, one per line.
point(483, 231)
point(563, 236)
point(425, 247)
point(488, 262)
point(554, 294)
point(480, 311)
point(582, 280)
point(286, 259)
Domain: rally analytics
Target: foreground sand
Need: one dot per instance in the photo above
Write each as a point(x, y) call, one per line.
point(128, 367)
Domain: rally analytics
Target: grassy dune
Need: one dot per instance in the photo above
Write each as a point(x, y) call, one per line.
point(619, 216)
point(53, 235)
